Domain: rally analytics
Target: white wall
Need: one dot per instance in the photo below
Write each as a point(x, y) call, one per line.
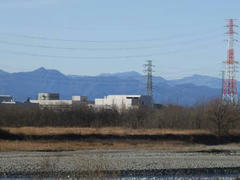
point(123, 101)
point(79, 98)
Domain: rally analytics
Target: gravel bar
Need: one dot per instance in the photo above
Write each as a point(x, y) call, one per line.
point(28, 163)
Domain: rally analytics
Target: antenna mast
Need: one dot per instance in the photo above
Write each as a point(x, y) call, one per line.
point(149, 70)
point(230, 86)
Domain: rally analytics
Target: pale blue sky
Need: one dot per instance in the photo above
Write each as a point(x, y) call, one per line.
point(182, 37)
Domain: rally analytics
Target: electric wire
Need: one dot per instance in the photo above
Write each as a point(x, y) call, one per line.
point(186, 42)
point(92, 57)
point(102, 41)
point(180, 50)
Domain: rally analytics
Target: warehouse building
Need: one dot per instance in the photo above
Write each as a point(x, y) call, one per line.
point(123, 101)
point(6, 99)
point(52, 100)
point(120, 102)
point(48, 96)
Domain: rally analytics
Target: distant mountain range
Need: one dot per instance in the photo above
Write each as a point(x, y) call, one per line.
point(186, 91)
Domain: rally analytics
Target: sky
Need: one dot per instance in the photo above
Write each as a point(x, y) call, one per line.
point(90, 37)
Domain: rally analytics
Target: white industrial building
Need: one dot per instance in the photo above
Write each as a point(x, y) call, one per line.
point(6, 99)
point(123, 101)
point(53, 100)
point(120, 102)
point(48, 96)
point(82, 99)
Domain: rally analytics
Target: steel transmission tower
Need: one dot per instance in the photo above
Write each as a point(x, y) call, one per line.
point(149, 70)
point(229, 82)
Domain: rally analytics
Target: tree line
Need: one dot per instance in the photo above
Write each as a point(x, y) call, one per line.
point(214, 116)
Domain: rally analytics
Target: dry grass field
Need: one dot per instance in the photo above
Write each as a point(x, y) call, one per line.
point(59, 144)
point(74, 145)
point(103, 131)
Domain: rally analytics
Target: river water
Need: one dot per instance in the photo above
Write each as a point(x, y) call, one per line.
point(209, 176)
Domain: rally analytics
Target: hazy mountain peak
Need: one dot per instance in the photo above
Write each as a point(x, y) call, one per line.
point(3, 72)
point(41, 69)
point(202, 76)
point(199, 80)
point(183, 91)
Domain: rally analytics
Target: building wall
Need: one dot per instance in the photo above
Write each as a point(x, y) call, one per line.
point(48, 96)
point(80, 98)
point(51, 100)
point(55, 102)
point(146, 101)
point(6, 98)
point(124, 101)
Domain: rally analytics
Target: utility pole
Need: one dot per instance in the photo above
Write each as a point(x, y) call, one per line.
point(230, 84)
point(148, 71)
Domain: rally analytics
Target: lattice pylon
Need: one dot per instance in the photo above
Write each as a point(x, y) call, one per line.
point(230, 84)
point(149, 86)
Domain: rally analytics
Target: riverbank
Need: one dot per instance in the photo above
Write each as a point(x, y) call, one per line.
point(70, 139)
point(120, 163)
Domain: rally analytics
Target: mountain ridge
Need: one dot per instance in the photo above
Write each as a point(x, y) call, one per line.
point(185, 91)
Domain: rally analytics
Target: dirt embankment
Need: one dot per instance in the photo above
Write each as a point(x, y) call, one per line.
point(32, 138)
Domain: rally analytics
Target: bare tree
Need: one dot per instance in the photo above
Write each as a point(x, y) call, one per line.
point(223, 116)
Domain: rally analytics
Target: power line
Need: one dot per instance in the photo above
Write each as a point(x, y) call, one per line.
point(105, 49)
point(79, 57)
point(96, 57)
point(100, 41)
